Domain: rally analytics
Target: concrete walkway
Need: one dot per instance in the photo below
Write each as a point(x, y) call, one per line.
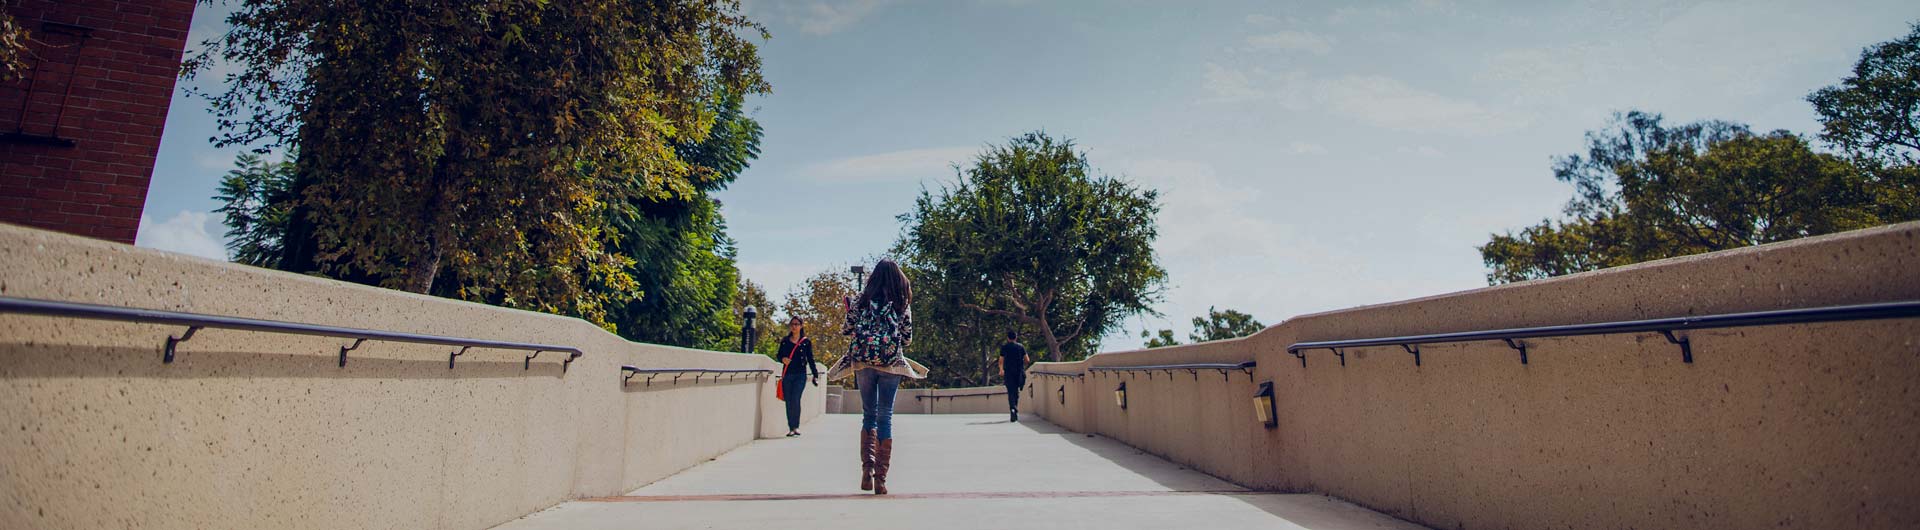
point(951, 471)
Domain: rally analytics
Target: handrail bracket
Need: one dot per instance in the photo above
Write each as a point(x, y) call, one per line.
point(1518, 345)
point(345, 349)
point(175, 341)
point(1686, 345)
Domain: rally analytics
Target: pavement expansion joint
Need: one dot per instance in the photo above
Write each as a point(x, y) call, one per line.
point(911, 496)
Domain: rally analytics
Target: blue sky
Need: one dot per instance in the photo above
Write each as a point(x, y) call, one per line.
point(1311, 155)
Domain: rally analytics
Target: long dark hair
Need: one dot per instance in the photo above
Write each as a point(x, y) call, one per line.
point(888, 286)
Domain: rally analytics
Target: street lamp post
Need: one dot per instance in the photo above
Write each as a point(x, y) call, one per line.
point(859, 277)
point(747, 333)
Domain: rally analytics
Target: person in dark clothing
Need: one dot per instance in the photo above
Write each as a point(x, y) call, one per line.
point(796, 361)
point(1013, 370)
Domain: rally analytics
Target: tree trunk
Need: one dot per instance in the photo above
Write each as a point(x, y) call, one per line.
point(426, 265)
point(434, 218)
point(1053, 341)
point(420, 274)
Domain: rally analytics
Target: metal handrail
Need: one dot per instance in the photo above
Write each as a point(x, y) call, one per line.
point(1191, 368)
point(196, 321)
point(631, 371)
point(1057, 374)
point(951, 396)
point(1663, 326)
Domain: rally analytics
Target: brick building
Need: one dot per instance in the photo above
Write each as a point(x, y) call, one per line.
point(78, 135)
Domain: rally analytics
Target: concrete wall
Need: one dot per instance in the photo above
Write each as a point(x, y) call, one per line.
point(259, 430)
point(1793, 426)
point(980, 400)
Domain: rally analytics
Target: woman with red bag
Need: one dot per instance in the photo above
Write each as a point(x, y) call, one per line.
point(796, 359)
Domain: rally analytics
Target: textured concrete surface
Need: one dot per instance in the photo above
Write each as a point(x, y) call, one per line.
point(952, 471)
point(1793, 426)
point(264, 430)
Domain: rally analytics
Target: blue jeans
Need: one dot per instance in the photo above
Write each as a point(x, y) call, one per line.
point(877, 389)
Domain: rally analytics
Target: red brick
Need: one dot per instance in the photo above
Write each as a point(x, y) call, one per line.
point(135, 201)
point(122, 85)
point(76, 208)
point(52, 194)
point(120, 212)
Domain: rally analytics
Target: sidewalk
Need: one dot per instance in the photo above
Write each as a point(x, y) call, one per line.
point(951, 471)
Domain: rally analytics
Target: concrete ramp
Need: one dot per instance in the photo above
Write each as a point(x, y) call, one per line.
point(952, 471)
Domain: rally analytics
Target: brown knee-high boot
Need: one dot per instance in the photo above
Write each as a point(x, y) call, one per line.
point(882, 459)
point(866, 459)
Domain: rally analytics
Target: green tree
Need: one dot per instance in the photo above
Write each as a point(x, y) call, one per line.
point(1163, 339)
point(1646, 191)
point(683, 268)
point(257, 200)
point(13, 49)
point(1872, 112)
point(960, 345)
point(1873, 115)
point(1221, 325)
point(471, 149)
point(767, 341)
point(821, 302)
point(1217, 325)
point(1028, 233)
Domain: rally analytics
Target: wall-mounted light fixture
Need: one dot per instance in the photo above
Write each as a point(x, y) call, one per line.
point(1120, 395)
point(1263, 406)
point(1063, 394)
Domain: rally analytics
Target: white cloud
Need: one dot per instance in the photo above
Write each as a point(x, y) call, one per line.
point(1378, 100)
point(830, 16)
point(1275, 270)
point(187, 232)
point(1671, 55)
point(1290, 40)
point(911, 164)
point(1231, 85)
point(214, 160)
point(1264, 20)
point(1353, 13)
point(1427, 151)
point(1307, 148)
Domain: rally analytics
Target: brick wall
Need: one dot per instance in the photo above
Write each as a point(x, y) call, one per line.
point(78, 138)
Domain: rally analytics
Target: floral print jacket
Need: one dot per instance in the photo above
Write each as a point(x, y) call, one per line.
point(880, 336)
point(880, 339)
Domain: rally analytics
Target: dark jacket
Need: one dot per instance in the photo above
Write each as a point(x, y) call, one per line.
point(802, 361)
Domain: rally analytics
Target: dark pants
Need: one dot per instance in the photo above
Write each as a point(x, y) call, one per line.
point(1014, 383)
point(795, 385)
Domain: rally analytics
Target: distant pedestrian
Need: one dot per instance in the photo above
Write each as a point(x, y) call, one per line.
point(881, 324)
point(796, 360)
point(1013, 371)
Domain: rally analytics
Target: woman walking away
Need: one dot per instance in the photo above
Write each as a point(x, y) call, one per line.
point(796, 360)
point(881, 324)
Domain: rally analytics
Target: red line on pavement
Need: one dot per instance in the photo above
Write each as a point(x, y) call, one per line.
point(945, 495)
